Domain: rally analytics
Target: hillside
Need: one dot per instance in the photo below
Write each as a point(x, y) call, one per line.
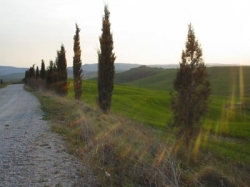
point(11, 74)
point(224, 80)
point(136, 73)
point(6, 70)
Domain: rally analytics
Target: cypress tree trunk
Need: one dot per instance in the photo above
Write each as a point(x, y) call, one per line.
point(106, 69)
point(77, 64)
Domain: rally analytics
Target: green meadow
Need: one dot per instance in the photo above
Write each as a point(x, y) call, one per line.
point(225, 130)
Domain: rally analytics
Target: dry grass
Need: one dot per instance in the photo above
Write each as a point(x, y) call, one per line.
point(120, 151)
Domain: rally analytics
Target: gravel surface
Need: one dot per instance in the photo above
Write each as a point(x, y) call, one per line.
point(31, 155)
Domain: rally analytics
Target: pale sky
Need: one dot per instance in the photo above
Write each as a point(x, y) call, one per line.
point(144, 31)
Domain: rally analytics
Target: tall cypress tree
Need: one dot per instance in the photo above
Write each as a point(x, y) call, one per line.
point(189, 102)
point(32, 72)
point(106, 69)
point(77, 64)
point(49, 72)
point(61, 64)
point(42, 71)
point(26, 77)
point(37, 73)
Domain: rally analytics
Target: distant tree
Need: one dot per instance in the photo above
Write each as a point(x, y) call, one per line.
point(1, 81)
point(37, 73)
point(26, 77)
point(51, 75)
point(189, 102)
point(32, 72)
point(42, 71)
point(55, 76)
point(106, 68)
point(77, 64)
point(61, 64)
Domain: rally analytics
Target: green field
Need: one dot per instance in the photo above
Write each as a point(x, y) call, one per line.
point(225, 81)
point(224, 140)
point(226, 129)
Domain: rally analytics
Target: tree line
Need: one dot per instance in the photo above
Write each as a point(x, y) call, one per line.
point(189, 100)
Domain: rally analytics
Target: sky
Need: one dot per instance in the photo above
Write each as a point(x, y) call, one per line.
point(144, 31)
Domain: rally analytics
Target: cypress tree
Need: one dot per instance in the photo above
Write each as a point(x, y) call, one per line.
point(37, 73)
point(32, 72)
point(42, 71)
point(49, 75)
point(77, 64)
point(106, 69)
point(189, 102)
point(61, 65)
point(26, 78)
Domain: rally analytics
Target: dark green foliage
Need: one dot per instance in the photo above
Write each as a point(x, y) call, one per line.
point(189, 102)
point(32, 72)
point(1, 81)
point(26, 77)
point(61, 64)
point(106, 69)
point(51, 76)
point(77, 64)
point(42, 71)
point(31, 75)
point(37, 73)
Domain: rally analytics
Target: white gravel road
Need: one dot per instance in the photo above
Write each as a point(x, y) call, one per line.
point(30, 155)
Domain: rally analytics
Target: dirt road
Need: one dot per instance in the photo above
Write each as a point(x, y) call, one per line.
point(30, 155)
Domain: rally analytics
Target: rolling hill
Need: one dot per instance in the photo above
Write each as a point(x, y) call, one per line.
point(136, 73)
point(224, 80)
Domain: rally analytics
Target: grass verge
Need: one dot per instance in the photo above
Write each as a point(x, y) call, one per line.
point(123, 152)
point(3, 85)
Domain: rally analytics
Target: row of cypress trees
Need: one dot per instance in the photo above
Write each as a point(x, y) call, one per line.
point(31, 73)
point(189, 100)
point(55, 76)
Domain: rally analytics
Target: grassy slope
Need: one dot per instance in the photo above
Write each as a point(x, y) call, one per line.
point(224, 80)
point(226, 131)
point(152, 107)
point(104, 142)
point(136, 73)
point(223, 143)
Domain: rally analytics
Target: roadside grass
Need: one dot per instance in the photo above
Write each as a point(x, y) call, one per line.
point(142, 105)
point(105, 140)
point(3, 85)
point(226, 130)
point(120, 151)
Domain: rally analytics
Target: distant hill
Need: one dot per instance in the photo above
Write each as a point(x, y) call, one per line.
point(6, 70)
point(11, 74)
point(225, 80)
point(158, 77)
point(136, 73)
point(14, 77)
